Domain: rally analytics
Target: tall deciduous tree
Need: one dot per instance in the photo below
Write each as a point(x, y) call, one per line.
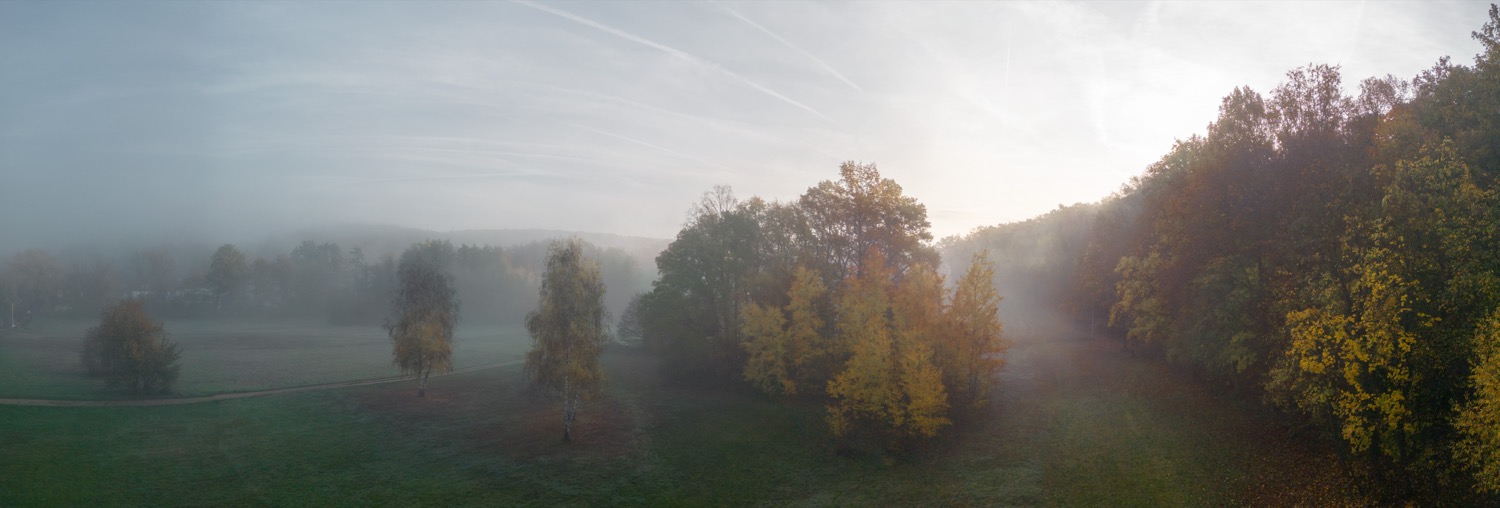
point(889, 381)
point(786, 345)
point(568, 329)
point(423, 315)
point(972, 350)
point(129, 349)
point(36, 279)
point(1479, 418)
point(227, 271)
point(862, 211)
point(693, 314)
point(629, 330)
point(154, 270)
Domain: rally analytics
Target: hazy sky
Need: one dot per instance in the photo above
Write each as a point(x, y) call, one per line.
point(237, 118)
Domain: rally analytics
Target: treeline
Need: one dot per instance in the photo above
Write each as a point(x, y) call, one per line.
point(313, 280)
point(1336, 256)
point(833, 298)
point(1034, 262)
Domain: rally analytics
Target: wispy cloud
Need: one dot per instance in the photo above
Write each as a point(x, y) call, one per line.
point(591, 115)
point(656, 147)
point(793, 47)
point(675, 53)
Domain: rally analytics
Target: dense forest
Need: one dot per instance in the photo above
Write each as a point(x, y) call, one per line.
point(1334, 256)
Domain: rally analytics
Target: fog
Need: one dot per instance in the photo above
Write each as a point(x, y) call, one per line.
point(658, 253)
point(145, 123)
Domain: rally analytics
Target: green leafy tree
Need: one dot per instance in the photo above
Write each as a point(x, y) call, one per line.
point(129, 349)
point(1139, 307)
point(423, 315)
point(706, 276)
point(568, 329)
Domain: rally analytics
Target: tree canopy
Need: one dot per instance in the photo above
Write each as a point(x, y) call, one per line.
point(834, 297)
point(129, 349)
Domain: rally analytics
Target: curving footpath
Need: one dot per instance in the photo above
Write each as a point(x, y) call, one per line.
point(233, 395)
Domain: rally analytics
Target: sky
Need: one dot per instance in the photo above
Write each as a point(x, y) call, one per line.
point(223, 120)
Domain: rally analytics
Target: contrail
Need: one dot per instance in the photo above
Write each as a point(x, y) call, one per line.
point(791, 46)
point(655, 147)
point(437, 178)
point(674, 52)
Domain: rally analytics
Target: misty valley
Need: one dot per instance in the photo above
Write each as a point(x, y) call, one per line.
point(1297, 305)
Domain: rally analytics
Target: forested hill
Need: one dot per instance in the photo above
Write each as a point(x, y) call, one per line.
point(1035, 260)
point(377, 240)
point(1331, 247)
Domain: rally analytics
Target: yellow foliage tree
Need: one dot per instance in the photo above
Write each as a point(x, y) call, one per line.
point(1478, 421)
point(1140, 307)
point(423, 315)
point(918, 323)
point(783, 353)
point(889, 380)
point(1354, 367)
point(567, 329)
point(765, 334)
point(973, 349)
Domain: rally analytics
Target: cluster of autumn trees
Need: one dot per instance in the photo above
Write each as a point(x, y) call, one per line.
point(1336, 256)
point(834, 297)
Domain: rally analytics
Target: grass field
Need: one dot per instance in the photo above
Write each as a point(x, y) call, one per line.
point(230, 356)
point(1076, 423)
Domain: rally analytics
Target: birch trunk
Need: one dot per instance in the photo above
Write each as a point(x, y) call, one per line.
point(567, 411)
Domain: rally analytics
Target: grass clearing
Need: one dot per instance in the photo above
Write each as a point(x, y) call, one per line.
point(1076, 423)
point(234, 355)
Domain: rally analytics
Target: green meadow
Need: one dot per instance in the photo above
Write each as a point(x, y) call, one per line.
point(1075, 423)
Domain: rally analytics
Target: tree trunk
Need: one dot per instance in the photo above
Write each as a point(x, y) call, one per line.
point(572, 414)
point(567, 412)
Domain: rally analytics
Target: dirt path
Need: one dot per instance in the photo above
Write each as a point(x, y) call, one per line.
point(234, 395)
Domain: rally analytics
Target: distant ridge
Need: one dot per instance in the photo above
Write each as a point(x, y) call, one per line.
point(379, 239)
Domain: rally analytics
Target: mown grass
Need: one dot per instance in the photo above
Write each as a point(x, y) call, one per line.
point(234, 355)
point(1074, 424)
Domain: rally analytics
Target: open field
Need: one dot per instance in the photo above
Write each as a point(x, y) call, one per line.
point(232, 356)
point(1077, 423)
